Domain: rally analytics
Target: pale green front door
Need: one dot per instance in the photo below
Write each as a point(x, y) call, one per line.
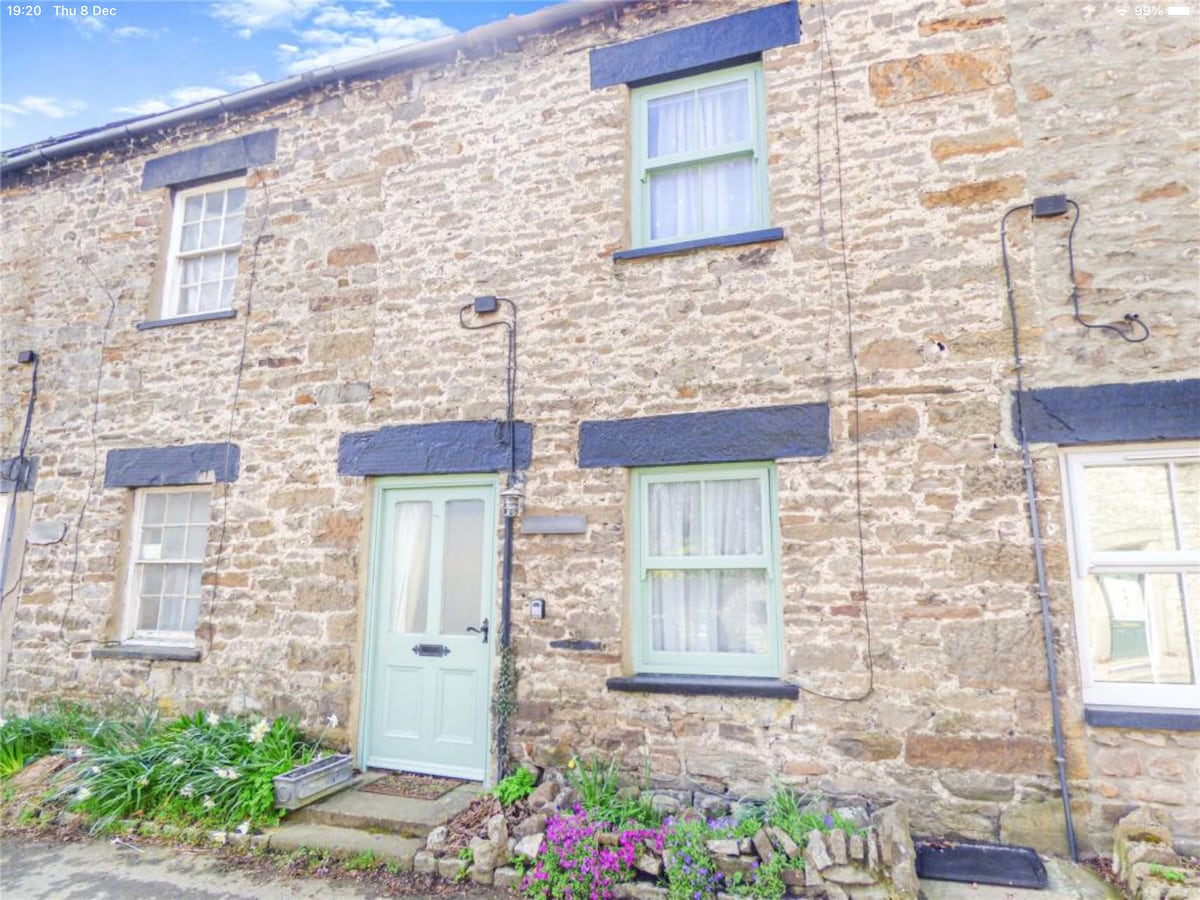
point(432, 588)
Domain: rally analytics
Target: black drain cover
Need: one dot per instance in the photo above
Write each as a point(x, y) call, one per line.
point(980, 863)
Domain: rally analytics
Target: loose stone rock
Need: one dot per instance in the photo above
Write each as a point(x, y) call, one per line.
point(727, 847)
point(530, 845)
point(532, 825)
point(837, 846)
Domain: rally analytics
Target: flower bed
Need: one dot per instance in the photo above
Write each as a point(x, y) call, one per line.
point(582, 836)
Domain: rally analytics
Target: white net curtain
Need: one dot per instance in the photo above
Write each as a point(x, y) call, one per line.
point(708, 197)
point(707, 609)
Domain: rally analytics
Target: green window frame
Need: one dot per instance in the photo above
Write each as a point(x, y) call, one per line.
point(724, 161)
point(705, 576)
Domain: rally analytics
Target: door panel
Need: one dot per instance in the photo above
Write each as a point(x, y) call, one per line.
point(433, 578)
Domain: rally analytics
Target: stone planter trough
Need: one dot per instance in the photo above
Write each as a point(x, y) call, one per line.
point(318, 779)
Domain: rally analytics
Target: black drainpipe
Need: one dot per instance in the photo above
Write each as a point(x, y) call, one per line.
point(512, 497)
point(1060, 754)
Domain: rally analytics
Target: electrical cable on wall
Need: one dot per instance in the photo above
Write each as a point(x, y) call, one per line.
point(234, 405)
point(1131, 319)
point(849, 312)
point(19, 475)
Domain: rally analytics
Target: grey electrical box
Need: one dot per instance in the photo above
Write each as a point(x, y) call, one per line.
point(537, 608)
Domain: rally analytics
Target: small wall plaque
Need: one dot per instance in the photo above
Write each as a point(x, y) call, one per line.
point(554, 525)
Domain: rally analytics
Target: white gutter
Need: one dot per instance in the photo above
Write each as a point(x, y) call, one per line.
point(410, 56)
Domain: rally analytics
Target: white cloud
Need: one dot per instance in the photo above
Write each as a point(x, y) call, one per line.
point(181, 96)
point(88, 26)
point(327, 32)
point(135, 32)
point(244, 80)
point(50, 107)
point(255, 15)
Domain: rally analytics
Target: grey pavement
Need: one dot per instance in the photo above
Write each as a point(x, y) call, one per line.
point(101, 870)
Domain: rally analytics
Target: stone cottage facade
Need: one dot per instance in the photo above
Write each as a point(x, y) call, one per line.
point(775, 518)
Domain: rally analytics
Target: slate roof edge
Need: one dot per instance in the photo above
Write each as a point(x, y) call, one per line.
point(410, 56)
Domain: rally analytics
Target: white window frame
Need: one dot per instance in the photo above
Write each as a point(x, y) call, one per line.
point(1085, 562)
point(133, 634)
point(643, 167)
point(170, 307)
point(647, 660)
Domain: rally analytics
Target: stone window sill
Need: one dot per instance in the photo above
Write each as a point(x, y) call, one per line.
point(724, 240)
point(187, 320)
point(706, 685)
point(1148, 719)
point(147, 651)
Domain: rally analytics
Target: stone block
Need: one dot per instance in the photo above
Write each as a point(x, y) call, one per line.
point(535, 824)
point(1005, 755)
point(868, 746)
point(847, 874)
point(451, 868)
point(530, 846)
point(991, 140)
point(975, 193)
point(1142, 826)
point(647, 862)
point(816, 854)
point(1036, 822)
point(497, 830)
point(763, 846)
point(424, 863)
point(352, 255)
point(978, 786)
point(917, 78)
point(478, 874)
point(506, 877)
point(784, 842)
point(997, 653)
point(896, 850)
point(858, 848)
point(838, 846)
point(725, 847)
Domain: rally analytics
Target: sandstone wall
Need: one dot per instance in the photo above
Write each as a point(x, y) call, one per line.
point(394, 201)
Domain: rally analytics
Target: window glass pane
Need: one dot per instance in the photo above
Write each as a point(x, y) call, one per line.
point(192, 208)
point(170, 614)
point(201, 503)
point(174, 542)
point(235, 201)
point(148, 614)
point(190, 238)
point(189, 299)
point(674, 203)
point(1137, 629)
point(178, 505)
point(152, 539)
point(226, 294)
point(724, 114)
point(733, 517)
point(231, 264)
point(197, 540)
point(671, 124)
point(190, 271)
point(211, 266)
point(210, 296)
point(210, 233)
point(214, 204)
point(194, 577)
point(727, 195)
point(153, 508)
point(674, 526)
point(1129, 508)
point(1187, 489)
point(233, 230)
point(151, 580)
point(462, 566)
point(410, 562)
point(191, 614)
point(708, 611)
point(174, 580)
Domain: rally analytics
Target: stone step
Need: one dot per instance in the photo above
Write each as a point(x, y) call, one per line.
point(345, 843)
point(355, 808)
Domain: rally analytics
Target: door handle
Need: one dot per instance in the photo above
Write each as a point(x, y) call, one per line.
point(482, 629)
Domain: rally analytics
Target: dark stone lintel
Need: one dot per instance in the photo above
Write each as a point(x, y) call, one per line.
point(438, 448)
point(210, 161)
point(696, 48)
point(147, 651)
point(1147, 411)
point(726, 435)
point(1142, 719)
point(186, 464)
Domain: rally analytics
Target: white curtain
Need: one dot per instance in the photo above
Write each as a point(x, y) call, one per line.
point(701, 198)
point(709, 610)
point(410, 567)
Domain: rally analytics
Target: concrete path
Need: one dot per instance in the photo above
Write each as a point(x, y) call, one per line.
point(1067, 882)
point(100, 870)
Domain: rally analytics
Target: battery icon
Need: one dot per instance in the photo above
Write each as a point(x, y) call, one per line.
point(1179, 10)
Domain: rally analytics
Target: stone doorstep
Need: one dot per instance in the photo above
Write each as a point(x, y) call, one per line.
point(1068, 881)
point(375, 813)
point(344, 843)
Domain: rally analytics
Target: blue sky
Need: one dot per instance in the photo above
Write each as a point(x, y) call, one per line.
point(62, 72)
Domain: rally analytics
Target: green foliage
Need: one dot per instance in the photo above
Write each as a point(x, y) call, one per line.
point(58, 728)
point(1167, 873)
point(691, 868)
point(361, 862)
point(514, 787)
point(785, 810)
point(595, 782)
point(200, 769)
